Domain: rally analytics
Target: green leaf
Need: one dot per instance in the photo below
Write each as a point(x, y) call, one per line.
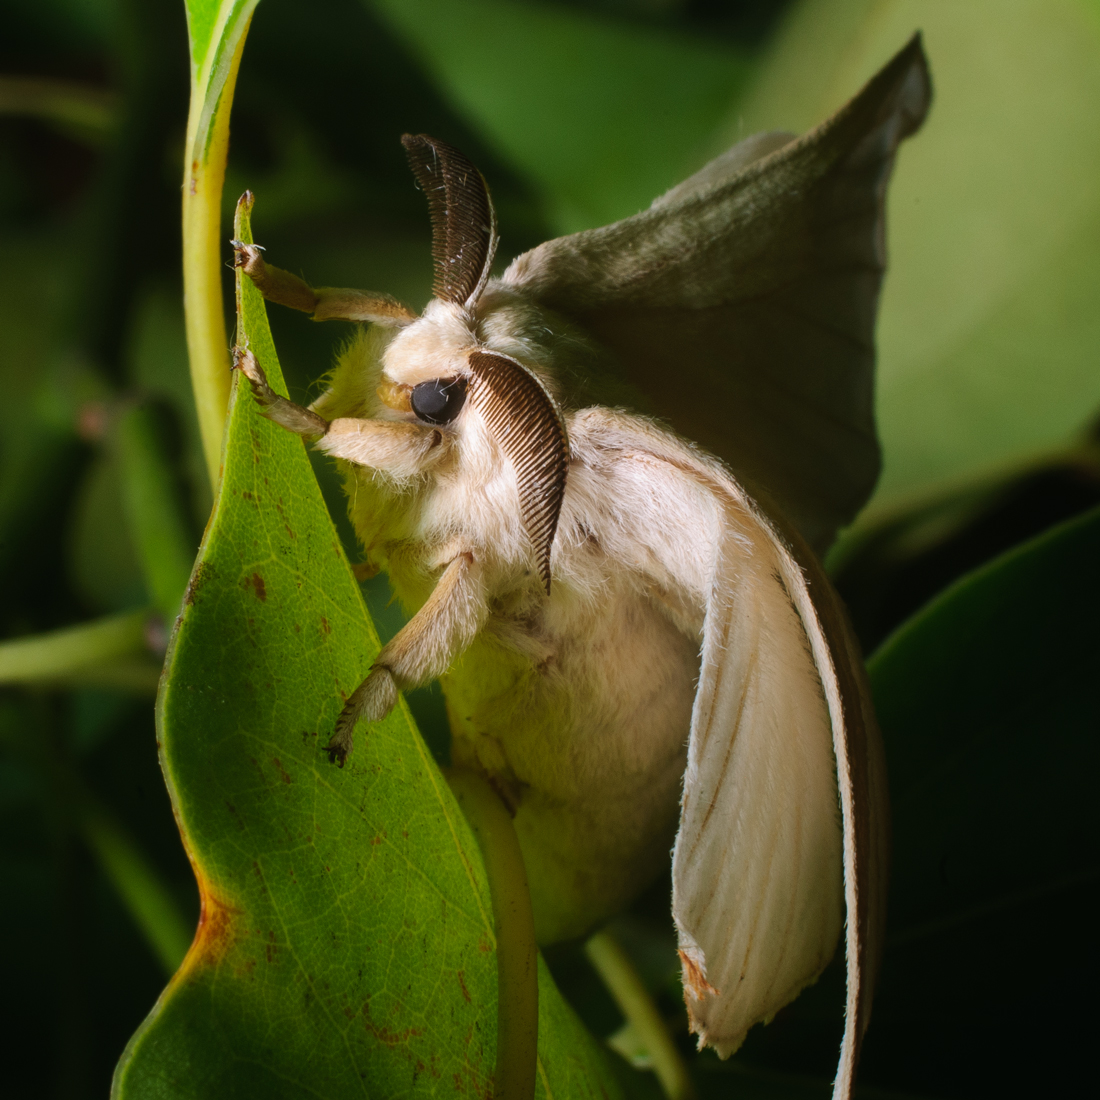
point(346, 946)
point(603, 116)
point(988, 329)
point(214, 28)
point(988, 704)
point(201, 17)
point(987, 699)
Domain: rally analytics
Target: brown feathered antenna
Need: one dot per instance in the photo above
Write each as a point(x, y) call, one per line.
point(464, 224)
point(526, 422)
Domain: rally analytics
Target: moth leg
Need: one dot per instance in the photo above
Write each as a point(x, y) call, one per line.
point(286, 413)
point(422, 650)
point(325, 303)
point(399, 448)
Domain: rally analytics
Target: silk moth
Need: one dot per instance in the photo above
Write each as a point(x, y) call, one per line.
point(637, 643)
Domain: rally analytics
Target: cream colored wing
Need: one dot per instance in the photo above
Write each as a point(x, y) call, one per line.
point(741, 305)
point(784, 820)
point(783, 817)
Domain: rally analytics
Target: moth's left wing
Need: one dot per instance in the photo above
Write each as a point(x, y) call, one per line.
point(741, 305)
point(769, 855)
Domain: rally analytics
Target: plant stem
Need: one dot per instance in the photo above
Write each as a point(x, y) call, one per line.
point(203, 180)
point(61, 653)
point(622, 979)
point(514, 924)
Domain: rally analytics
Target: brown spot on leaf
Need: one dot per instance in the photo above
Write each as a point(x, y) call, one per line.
point(256, 582)
point(324, 625)
point(385, 1034)
point(282, 515)
point(202, 573)
point(462, 983)
point(281, 770)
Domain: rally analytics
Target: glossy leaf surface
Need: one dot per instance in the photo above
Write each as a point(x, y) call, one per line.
point(991, 718)
point(346, 945)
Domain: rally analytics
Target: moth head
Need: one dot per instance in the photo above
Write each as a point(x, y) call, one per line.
point(438, 370)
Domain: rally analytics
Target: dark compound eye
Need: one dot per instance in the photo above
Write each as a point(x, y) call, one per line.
point(439, 400)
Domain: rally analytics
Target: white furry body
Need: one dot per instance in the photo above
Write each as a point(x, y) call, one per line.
point(577, 705)
point(667, 618)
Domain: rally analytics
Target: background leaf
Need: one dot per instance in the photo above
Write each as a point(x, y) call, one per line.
point(988, 328)
point(602, 117)
point(988, 704)
point(346, 944)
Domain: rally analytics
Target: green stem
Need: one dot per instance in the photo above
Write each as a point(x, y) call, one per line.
point(60, 654)
point(620, 976)
point(514, 924)
point(203, 179)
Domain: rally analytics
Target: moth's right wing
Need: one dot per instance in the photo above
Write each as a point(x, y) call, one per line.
point(783, 827)
point(741, 305)
point(784, 823)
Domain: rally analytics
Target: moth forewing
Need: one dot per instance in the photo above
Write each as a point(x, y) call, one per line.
point(755, 283)
point(783, 789)
point(757, 866)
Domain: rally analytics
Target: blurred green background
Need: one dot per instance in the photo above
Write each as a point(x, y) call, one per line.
point(577, 113)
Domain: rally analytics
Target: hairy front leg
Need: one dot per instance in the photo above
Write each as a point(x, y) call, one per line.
point(398, 448)
point(295, 418)
point(421, 651)
point(325, 303)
